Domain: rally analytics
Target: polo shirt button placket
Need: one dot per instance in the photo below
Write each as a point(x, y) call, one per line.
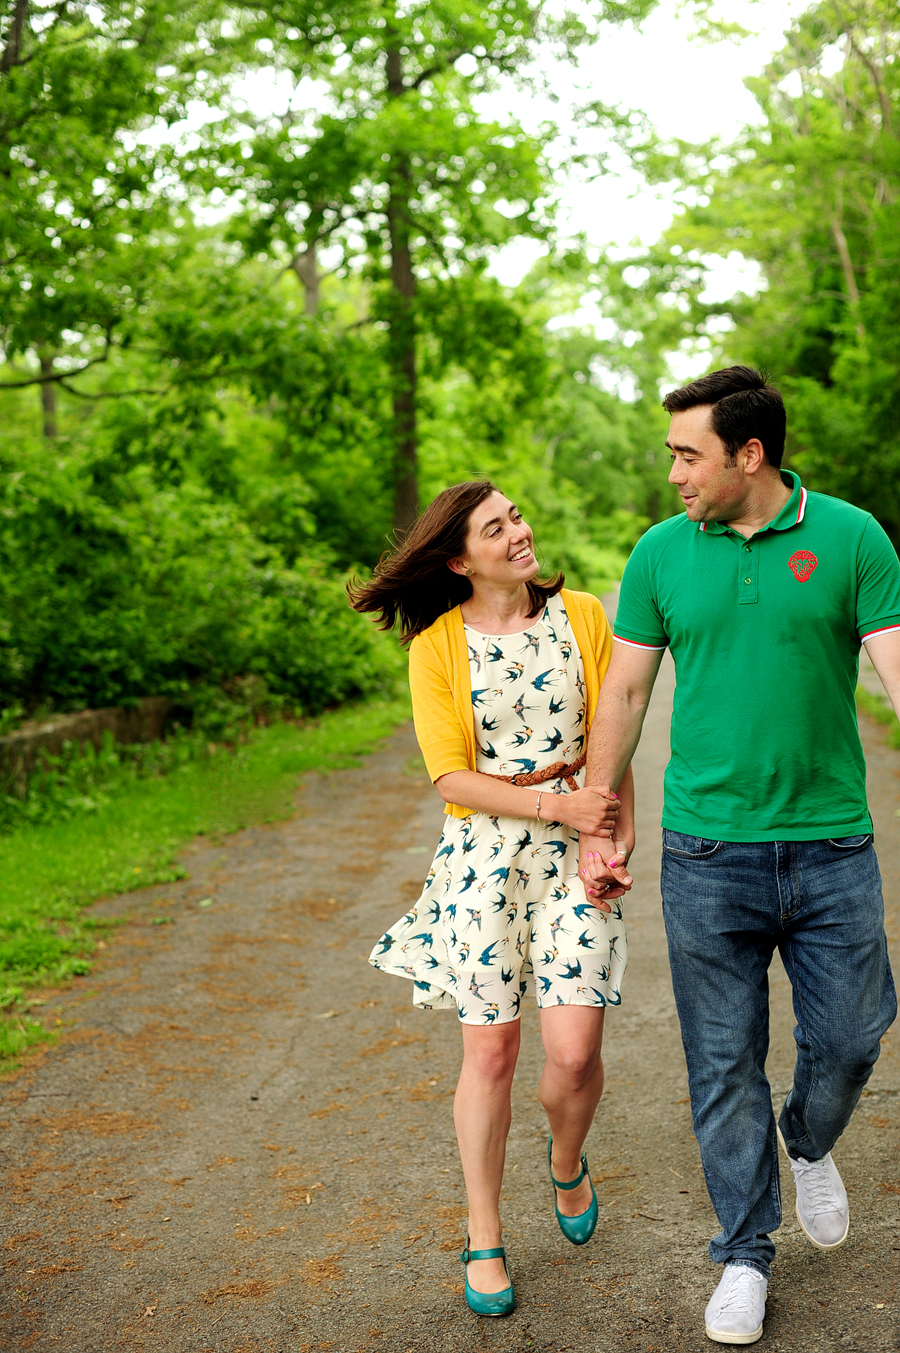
point(748, 576)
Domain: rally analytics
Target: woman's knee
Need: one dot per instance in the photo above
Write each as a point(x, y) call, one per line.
point(491, 1053)
point(575, 1062)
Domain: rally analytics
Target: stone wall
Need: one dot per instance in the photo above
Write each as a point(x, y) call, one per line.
point(141, 723)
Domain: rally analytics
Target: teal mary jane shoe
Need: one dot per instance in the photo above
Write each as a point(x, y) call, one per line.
point(488, 1303)
point(577, 1229)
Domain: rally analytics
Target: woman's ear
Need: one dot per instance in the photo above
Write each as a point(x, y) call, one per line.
point(457, 566)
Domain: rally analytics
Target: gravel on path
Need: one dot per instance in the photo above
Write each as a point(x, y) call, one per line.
point(243, 1143)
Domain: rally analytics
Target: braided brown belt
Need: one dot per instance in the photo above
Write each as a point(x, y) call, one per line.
point(560, 770)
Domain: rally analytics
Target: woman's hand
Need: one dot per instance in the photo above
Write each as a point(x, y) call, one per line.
point(592, 811)
point(603, 868)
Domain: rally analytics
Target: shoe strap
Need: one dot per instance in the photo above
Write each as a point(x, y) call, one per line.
point(572, 1183)
point(498, 1253)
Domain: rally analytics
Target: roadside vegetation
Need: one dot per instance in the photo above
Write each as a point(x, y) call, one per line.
point(53, 870)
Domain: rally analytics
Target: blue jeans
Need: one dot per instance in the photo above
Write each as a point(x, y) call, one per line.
point(727, 908)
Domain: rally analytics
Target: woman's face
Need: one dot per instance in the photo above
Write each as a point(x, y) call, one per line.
point(499, 545)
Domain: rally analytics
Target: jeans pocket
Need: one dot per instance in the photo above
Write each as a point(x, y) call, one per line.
point(688, 847)
point(846, 844)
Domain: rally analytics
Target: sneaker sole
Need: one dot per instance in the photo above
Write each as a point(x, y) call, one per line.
point(718, 1337)
point(836, 1245)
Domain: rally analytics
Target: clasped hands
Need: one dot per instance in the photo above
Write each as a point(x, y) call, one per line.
point(603, 855)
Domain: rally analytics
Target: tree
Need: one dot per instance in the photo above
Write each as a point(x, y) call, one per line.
point(397, 172)
point(82, 211)
point(813, 196)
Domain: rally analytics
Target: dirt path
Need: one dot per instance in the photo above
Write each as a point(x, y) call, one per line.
point(245, 1144)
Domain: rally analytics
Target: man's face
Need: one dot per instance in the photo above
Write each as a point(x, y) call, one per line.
point(712, 487)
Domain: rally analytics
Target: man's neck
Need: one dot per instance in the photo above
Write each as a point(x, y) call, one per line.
point(763, 504)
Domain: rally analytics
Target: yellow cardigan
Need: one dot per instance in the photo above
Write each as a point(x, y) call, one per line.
point(441, 686)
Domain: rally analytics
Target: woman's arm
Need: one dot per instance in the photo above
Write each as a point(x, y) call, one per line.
point(591, 810)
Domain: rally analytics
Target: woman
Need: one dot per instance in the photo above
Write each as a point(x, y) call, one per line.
point(504, 671)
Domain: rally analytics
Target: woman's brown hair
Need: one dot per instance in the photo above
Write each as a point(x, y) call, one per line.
point(413, 583)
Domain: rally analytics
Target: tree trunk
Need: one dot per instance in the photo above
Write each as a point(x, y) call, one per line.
point(48, 398)
point(12, 52)
point(305, 264)
point(402, 343)
point(840, 240)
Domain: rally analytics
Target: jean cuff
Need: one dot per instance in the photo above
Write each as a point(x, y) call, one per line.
point(759, 1264)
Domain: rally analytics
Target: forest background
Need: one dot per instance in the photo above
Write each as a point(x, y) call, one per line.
point(240, 351)
point(234, 361)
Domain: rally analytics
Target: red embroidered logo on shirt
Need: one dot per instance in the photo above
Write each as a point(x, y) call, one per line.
point(802, 564)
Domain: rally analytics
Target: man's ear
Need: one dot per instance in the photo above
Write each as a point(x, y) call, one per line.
point(754, 455)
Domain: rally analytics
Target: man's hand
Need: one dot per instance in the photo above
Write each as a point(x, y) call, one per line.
point(602, 869)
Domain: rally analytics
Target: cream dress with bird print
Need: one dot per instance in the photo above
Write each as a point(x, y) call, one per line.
point(502, 903)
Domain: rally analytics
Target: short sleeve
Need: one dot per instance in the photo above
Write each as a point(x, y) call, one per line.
point(878, 583)
point(638, 619)
point(439, 735)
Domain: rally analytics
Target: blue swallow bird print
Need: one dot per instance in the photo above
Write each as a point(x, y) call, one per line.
point(557, 926)
point(520, 707)
point(553, 740)
point(521, 843)
point(483, 958)
point(487, 955)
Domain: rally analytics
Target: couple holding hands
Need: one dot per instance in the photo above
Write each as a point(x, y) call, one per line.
point(528, 711)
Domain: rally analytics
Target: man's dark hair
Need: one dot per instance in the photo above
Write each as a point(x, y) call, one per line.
point(744, 405)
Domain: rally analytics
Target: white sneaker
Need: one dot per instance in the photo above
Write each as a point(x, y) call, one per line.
point(737, 1308)
point(822, 1207)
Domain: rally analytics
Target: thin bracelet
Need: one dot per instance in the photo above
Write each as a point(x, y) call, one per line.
point(537, 811)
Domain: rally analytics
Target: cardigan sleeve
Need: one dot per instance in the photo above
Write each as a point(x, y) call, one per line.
point(603, 638)
point(438, 732)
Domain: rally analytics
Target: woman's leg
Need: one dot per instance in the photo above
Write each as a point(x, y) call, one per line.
point(570, 1090)
point(481, 1111)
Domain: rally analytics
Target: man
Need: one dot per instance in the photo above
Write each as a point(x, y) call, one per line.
point(763, 592)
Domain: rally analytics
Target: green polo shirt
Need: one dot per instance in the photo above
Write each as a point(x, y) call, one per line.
point(765, 634)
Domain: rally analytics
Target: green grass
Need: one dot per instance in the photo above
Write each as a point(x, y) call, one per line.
point(877, 707)
point(52, 872)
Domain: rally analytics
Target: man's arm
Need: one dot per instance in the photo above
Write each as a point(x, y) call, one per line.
point(615, 733)
point(884, 651)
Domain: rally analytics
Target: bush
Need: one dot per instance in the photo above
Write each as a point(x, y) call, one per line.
point(163, 590)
